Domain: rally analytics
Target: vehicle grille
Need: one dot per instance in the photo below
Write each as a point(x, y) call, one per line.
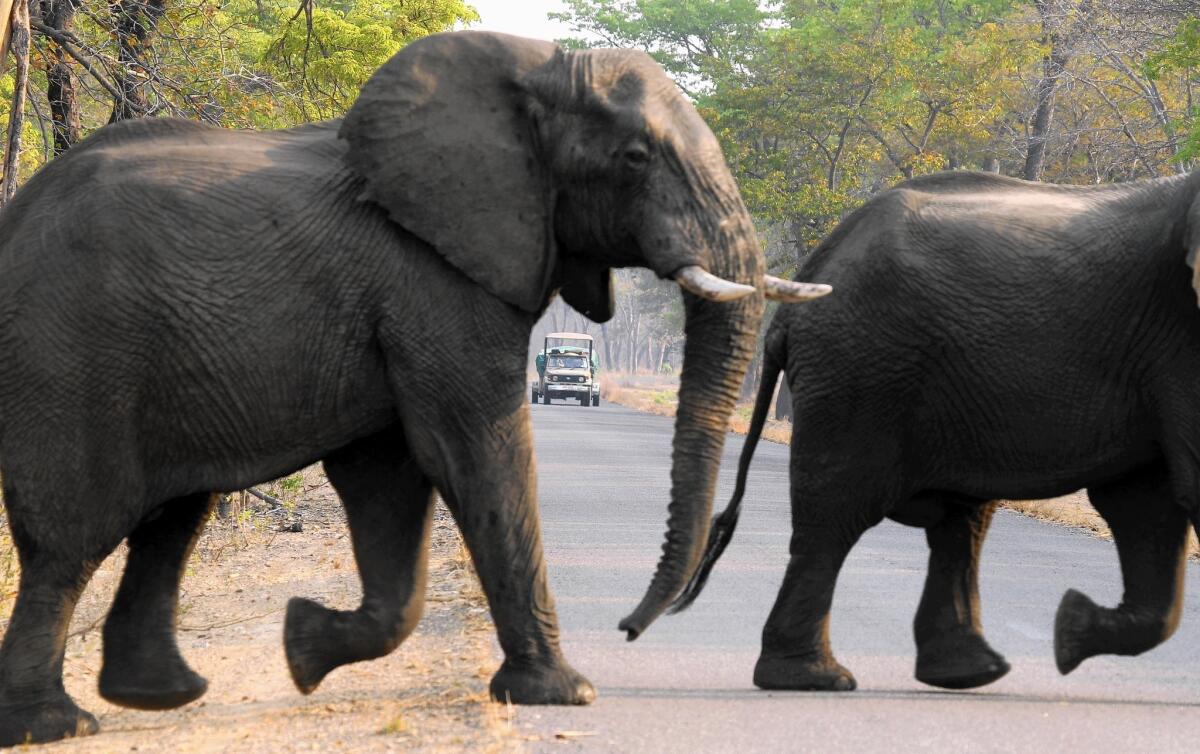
point(567, 378)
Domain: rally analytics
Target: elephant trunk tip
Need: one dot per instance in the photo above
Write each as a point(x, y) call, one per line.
point(636, 623)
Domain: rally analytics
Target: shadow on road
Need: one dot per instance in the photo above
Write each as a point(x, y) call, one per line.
point(900, 695)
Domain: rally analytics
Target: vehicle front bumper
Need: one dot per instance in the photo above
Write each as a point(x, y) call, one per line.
point(568, 387)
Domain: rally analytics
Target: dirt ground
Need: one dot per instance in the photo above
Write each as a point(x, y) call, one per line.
point(428, 696)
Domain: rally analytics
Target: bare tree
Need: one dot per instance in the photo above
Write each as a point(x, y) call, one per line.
point(1056, 26)
point(19, 47)
point(134, 21)
point(61, 83)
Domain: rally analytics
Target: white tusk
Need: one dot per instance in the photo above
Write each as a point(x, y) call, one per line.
point(704, 284)
point(778, 289)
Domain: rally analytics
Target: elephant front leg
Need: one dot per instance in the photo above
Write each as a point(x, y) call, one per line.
point(34, 707)
point(58, 555)
point(142, 667)
point(388, 503)
point(490, 486)
point(951, 650)
point(1150, 530)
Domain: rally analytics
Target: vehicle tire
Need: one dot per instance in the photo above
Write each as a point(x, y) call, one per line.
point(595, 400)
point(533, 396)
point(583, 401)
point(546, 397)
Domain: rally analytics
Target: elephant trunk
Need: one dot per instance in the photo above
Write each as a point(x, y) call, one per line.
point(719, 343)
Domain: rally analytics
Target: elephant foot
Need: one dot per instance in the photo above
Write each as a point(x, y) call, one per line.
point(151, 685)
point(307, 632)
point(1074, 624)
point(317, 640)
point(145, 671)
point(959, 661)
point(802, 674)
point(541, 684)
point(28, 722)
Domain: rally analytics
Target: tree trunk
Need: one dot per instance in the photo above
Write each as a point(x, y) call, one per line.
point(16, 121)
point(134, 22)
point(1054, 68)
point(634, 344)
point(608, 352)
point(60, 77)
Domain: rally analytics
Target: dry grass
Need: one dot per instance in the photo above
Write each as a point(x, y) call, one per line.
point(10, 573)
point(1076, 510)
point(659, 394)
point(1071, 510)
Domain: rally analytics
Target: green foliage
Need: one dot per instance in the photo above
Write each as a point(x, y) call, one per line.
point(237, 63)
point(696, 40)
point(1181, 53)
point(292, 484)
point(326, 68)
point(820, 104)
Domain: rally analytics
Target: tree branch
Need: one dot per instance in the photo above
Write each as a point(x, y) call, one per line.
point(65, 41)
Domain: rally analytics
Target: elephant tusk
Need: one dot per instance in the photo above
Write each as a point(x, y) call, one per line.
point(704, 284)
point(778, 289)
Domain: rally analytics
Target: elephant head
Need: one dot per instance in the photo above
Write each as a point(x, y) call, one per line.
point(534, 170)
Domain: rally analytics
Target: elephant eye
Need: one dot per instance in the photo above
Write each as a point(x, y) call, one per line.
point(637, 155)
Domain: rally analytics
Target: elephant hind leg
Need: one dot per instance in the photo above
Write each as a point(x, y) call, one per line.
point(57, 556)
point(142, 667)
point(1150, 530)
point(389, 504)
point(951, 650)
point(796, 651)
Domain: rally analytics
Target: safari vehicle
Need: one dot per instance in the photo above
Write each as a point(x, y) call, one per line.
point(566, 368)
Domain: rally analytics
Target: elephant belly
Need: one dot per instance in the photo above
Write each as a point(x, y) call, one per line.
point(211, 411)
point(986, 440)
point(261, 423)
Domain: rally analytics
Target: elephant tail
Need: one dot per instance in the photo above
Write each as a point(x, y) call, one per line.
point(723, 525)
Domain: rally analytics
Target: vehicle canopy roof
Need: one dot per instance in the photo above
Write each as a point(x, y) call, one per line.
point(568, 336)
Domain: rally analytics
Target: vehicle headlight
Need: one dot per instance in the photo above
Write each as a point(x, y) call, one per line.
point(551, 378)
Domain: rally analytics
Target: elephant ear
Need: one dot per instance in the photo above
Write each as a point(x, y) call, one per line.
point(587, 287)
point(443, 139)
point(1193, 245)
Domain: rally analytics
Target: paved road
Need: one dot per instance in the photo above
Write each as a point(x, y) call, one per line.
point(685, 685)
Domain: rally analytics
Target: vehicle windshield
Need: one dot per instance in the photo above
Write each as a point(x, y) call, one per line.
point(567, 362)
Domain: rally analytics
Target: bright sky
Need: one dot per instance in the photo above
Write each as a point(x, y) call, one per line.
point(526, 18)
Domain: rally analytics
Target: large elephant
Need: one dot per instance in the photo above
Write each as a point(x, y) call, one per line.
point(991, 339)
point(186, 309)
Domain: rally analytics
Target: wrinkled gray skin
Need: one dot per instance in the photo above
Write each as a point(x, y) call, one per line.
point(989, 339)
point(218, 308)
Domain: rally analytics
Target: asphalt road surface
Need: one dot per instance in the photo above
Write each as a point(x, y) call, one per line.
point(685, 686)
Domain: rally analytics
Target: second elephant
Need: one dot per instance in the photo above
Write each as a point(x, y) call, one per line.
point(991, 339)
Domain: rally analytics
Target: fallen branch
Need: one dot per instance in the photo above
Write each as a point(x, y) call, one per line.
point(266, 498)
